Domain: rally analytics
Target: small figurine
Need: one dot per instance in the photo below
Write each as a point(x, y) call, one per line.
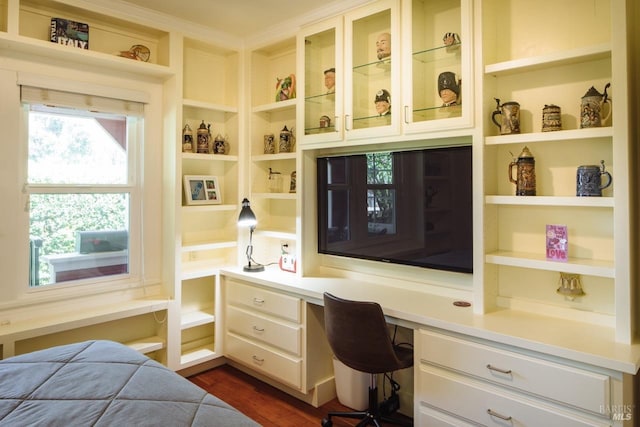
point(448, 88)
point(383, 46)
point(450, 39)
point(286, 88)
point(383, 102)
point(330, 80)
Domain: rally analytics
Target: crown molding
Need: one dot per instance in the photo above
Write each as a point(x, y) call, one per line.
point(143, 16)
point(290, 27)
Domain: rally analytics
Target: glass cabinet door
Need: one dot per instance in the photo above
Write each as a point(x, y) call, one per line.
point(372, 61)
point(321, 46)
point(439, 51)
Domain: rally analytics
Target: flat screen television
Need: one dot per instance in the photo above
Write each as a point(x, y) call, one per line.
point(406, 207)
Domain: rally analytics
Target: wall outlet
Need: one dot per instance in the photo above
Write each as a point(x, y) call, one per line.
point(288, 263)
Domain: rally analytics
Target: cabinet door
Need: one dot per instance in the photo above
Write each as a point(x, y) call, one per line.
point(372, 64)
point(322, 84)
point(437, 52)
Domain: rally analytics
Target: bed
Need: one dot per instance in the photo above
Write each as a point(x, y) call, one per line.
point(103, 383)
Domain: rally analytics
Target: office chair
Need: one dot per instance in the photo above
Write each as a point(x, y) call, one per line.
point(358, 335)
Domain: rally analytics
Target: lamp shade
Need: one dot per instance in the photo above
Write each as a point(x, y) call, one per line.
point(246, 218)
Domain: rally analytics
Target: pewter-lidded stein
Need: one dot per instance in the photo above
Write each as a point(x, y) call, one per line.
point(187, 139)
point(589, 180)
point(525, 180)
point(220, 145)
point(287, 141)
point(592, 106)
point(509, 113)
point(204, 138)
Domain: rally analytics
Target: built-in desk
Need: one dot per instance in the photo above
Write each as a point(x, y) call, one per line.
point(520, 340)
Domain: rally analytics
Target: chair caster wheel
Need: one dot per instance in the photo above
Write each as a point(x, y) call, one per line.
point(326, 423)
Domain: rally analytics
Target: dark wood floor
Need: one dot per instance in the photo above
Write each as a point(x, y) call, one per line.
point(264, 403)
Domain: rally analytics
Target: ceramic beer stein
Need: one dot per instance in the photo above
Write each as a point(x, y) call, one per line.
point(269, 144)
point(589, 180)
point(187, 139)
point(220, 145)
point(551, 120)
point(592, 106)
point(204, 138)
point(287, 141)
point(525, 180)
point(510, 117)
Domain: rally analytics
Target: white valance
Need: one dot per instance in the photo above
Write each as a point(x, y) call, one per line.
point(82, 96)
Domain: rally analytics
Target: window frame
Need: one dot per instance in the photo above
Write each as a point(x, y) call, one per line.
point(133, 187)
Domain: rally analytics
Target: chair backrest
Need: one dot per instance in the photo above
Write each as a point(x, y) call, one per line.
point(358, 335)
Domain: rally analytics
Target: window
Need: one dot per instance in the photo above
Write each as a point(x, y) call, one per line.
point(381, 194)
point(82, 185)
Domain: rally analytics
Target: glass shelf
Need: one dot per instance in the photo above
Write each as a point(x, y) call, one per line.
point(439, 112)
point(373, 68)
point(319, 130)
point(371, 121)
point(436, 54)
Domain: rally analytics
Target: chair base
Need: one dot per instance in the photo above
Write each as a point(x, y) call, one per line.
point(372, 416)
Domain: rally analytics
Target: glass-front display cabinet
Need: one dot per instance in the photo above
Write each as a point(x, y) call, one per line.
point(351, 75)
point(372, 61)
point(438, 91)
point(323, 78)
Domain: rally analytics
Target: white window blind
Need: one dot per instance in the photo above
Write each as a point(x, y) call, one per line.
point(93, 103)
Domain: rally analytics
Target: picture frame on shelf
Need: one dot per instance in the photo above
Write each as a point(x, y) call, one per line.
point(202, 190)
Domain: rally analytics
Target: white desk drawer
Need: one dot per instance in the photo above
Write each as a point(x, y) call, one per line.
point(554, 381)
point(256, 327)
point(264, 301)
point(283, 368)
point(429, 417)
point(492, 405)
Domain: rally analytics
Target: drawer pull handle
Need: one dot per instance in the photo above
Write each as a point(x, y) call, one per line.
point(257, 359)
point(502, 371)
point(255, 328)
point(258, 301)
point(497, 415)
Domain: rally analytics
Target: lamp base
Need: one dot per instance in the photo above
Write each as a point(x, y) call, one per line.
point(254, 268)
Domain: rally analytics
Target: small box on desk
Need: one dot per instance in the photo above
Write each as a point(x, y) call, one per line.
point(70, 33)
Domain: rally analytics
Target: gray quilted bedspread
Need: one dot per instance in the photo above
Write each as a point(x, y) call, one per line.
point(103, 383)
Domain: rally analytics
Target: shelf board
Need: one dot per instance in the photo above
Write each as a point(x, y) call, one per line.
point(201, 268)
point(277, 196)
point(196, 355)
point(81, 318)
point(209, 208)
point(84, 58)
point(559, 136)
point(197, 318)
point(289, 104)
point(147, 345)
point(209, 157)
point(207, 246)
point(565, 201)
point(272, 157)
point(539, 262)
point(554, 59)
point(209, 106)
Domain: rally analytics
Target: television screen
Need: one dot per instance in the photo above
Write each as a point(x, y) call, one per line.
point(405, 207)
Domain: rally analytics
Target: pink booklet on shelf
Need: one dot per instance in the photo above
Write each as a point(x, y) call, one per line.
point(557, 243)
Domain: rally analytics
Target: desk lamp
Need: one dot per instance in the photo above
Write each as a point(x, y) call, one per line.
point(248, 219)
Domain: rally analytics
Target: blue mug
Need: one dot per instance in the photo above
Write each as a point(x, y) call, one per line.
point(589, 180)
